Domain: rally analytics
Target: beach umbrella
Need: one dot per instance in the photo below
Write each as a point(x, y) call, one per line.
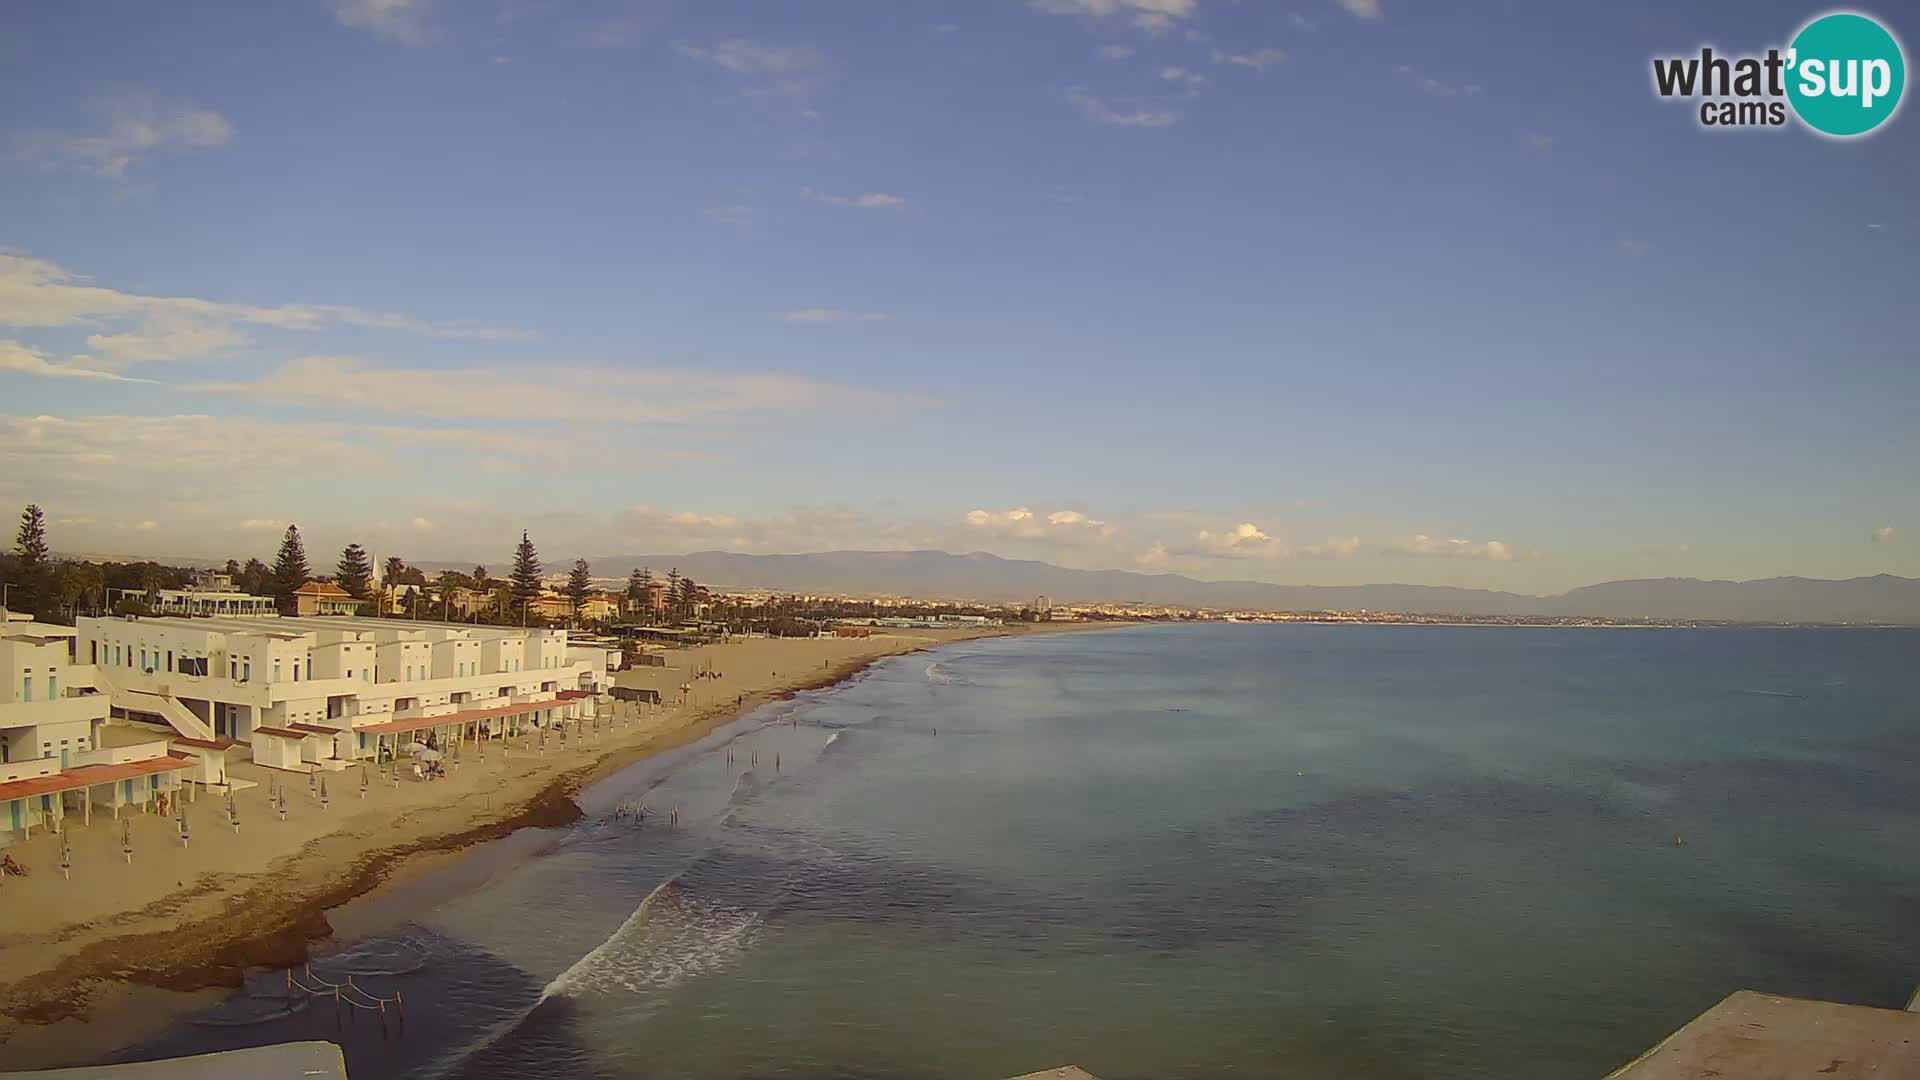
point(416, 747)
point(429, 755)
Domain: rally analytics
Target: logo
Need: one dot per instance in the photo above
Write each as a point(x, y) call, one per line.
point(1842, 75)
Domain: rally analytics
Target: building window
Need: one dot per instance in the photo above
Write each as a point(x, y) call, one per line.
point(26, 688)
point(276, 669)
point(53, 688)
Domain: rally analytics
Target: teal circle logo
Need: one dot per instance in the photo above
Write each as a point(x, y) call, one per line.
point(1845, 74)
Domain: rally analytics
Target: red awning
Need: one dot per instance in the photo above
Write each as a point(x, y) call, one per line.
point(89, 775)
point(416, 723)
point(575, 695)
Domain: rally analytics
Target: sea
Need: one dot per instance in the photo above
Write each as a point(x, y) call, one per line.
point(1196, 851)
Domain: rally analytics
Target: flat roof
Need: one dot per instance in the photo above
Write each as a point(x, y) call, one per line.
point(89, 775)
point(415, 723)
point(280, 732)
point(203, 744)
point(1754, 1036)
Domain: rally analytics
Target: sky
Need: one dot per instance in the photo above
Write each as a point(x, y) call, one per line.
point(1318, 291)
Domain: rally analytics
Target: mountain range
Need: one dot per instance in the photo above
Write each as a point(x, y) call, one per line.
point(1882, 598)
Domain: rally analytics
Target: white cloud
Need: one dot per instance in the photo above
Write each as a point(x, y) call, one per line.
point(745, 57)
point(1363, 9)
point(1258, 59)
point(826, 315)
point(264, 524)
point(135, 125)
point(38, 293)
point(422, 524)
point(1428, 547)
point(1336, 548)
point(166, 337)
point(1115, 52)
point(1155, 555)
point(792, 70)
point(1632, 249)
point(1129, 113)
point(1434, 87)
point(1145, 13)
point(1021, 523)
point(403, 21)
point(537, 391)
point(946, 28)
point(1540, 142)
point(147, 526)
point(1883, 535)
point(1244, 541)
point(25, 360)
point(874, 200)
point(1175, 73)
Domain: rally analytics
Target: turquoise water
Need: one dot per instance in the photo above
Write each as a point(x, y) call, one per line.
point(1200, 851)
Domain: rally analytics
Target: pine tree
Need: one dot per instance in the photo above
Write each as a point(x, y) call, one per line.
point(579, 587)
point(689, 595)
point(526, 571)
point(232, 569)
point(30, 548)
point(673, 595)
point(393, 570)
point(290, 570)
point(355, 572)
point(480, 579)
point(636, 587)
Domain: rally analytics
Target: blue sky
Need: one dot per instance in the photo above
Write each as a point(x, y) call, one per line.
point(1306, 291)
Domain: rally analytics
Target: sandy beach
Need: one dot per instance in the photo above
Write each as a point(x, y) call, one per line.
point(114, 952)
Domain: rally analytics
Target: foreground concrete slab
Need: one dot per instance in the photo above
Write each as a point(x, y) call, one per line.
point(284, 1061)
point(1753, 1036)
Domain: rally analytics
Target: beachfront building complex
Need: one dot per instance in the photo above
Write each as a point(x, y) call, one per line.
point(322, 691)
point(56, 752)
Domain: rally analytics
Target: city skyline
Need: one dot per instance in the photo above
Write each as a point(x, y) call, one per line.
point(1320, 293)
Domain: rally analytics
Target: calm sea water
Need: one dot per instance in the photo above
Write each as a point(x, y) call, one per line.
point(1199, 851)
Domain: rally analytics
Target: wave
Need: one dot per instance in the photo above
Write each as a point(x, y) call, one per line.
point(937, 675)
point(1768, 693)
point(671, 937)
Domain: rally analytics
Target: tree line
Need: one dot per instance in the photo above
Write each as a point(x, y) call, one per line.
point(61, 590)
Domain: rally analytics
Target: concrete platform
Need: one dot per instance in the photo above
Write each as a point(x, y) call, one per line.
point(1753, 1036)
point(283, 1061)
point(1064, 1072)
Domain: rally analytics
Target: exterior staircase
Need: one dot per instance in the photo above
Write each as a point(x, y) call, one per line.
point(168, 708)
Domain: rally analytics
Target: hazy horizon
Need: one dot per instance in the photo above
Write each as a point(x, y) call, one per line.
point(1329, 292)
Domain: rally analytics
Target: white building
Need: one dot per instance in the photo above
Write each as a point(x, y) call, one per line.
point(333, 689)
point(52, 757)
point(210, 602)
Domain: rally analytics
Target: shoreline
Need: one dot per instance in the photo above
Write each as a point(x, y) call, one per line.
point(69, 1011)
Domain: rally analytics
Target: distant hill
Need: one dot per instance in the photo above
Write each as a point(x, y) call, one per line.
point(980, 576)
